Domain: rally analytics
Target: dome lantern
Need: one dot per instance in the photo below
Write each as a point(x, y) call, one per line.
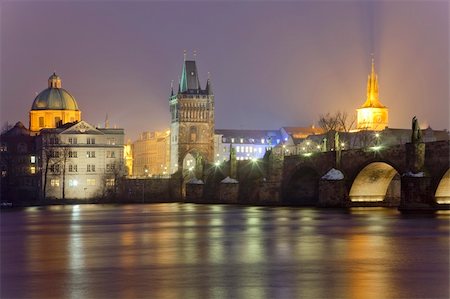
point(54, 81)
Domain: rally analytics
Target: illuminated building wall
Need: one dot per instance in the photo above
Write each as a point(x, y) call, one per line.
point(249, 144)
point(88, 161)
point(128, 157)
point(151, 154)
point(372, 115)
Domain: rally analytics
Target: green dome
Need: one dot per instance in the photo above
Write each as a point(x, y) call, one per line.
point(54, 97)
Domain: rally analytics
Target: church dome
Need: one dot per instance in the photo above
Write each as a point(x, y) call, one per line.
point(54, 97)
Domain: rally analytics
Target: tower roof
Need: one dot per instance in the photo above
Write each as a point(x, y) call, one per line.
point(189, 77)
point(54, 97)
point(372, 100)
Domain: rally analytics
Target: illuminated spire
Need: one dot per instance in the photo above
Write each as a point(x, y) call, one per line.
point(372, 89)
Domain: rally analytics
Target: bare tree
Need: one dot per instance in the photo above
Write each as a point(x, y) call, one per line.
point(337, 122)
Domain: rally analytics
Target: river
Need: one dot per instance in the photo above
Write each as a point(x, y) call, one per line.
point(222, 251)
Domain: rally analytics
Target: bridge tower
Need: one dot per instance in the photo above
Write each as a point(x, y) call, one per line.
point(192, 122)
point(372, 115)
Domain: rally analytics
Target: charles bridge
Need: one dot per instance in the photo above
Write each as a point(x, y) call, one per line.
point(412, 176)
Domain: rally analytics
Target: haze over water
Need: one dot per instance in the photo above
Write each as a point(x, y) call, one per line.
point(222, 251)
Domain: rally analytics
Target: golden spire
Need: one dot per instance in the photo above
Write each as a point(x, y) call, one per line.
point(372, 89)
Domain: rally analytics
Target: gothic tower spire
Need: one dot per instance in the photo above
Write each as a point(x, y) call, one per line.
point(372, 115)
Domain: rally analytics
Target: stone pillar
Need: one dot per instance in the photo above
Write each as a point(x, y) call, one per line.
point(416, 194)
point(333, 194)
point(229, 192)
point(194, 191)
point(415, 156)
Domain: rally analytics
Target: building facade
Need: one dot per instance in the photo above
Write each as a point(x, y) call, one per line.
point(79, 161)
point(151, 154)
point(372, 115)
point(18, 165)
point(192, 121)
point(248, 144)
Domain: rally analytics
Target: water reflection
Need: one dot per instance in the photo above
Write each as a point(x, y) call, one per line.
point(217, 251)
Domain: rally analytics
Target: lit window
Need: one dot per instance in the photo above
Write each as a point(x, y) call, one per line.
point(54, 183)
point(110, 182)
point(238, 149)
point(90, 182)
point(246, 149)
point(232, 140)
point(33, 159)
point(242, 140)
point(73, 183)
point(32, 169)
point(262, 140)
point(260, 150)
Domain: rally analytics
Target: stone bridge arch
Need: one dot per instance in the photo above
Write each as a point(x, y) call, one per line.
point(442, 194)
point(302, 187)
point(376, 182)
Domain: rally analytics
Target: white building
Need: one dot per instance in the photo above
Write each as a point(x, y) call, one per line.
point(248, 144)
point(79, 161)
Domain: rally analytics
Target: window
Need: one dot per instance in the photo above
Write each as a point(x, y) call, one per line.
point(110, 154)
point(90, 168)
point(110, 182)
point(72, 140)
point(33, 159)
point(263, 140)
point(90, 182)
point(193, 134)
point(41, 121)
point(111, 141)
point(242, 140)
point(33, 169)
point(232, 140)
point(3, 148)
point(54, 168)
point(57, 121)
point(238, 149)
point(54, 182)
point(90, 154)
point(73, 168)
point(73, 154)
point(110, 167)
point(90, 140)
point(73, 183)
point(54, 154)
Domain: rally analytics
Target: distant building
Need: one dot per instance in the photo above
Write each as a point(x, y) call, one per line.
point(18, 165)
point(372, 115)
point(52, 107)
point(192, 121)
point(151, 154)
point(248, 144)
point(79, 161)
point(128, 158)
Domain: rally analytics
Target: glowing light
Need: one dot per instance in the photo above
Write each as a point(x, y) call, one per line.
point(217, 163)
point(307, 154)
point(376, 148)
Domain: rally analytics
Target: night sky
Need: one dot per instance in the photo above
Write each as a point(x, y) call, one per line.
point(272, 64)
